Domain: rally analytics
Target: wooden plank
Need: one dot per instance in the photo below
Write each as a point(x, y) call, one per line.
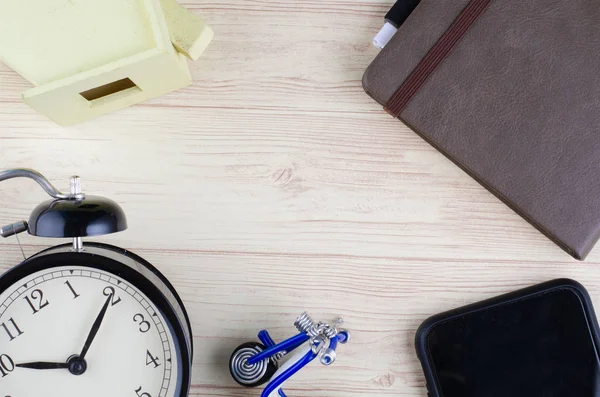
point(275, 185)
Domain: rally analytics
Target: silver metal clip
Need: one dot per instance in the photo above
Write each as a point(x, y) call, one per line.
point(14, 229)
point(44, 183)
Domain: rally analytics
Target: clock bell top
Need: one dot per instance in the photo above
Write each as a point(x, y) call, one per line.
point(92, 216)
point(73, 215)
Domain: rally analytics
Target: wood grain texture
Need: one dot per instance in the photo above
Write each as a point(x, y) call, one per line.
point(275, 185)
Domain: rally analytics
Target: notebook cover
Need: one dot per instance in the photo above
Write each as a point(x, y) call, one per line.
point(515, 104)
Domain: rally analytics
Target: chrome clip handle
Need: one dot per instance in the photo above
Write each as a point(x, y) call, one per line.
point(45, 183)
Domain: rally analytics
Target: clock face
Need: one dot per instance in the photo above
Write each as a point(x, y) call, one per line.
point(47, 318)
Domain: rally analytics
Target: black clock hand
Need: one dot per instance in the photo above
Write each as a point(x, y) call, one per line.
point(43, 365)
point(95, 328)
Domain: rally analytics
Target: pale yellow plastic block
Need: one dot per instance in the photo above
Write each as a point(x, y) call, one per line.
point(47, 40)
point(189, 33)
point(90, 57)
point(104, 90)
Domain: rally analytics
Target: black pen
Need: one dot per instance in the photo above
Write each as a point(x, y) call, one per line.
point(393, 19)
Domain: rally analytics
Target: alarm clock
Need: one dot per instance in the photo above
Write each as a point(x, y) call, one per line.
point(88, 319)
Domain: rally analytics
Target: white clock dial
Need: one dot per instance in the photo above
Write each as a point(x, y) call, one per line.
point(47, 317)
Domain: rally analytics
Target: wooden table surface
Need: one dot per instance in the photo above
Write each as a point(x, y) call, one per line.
point(275, 185)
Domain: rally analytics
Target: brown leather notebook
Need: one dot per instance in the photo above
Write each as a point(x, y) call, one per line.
point(509, 90)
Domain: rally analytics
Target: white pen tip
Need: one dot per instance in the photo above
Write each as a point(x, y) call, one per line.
point(385, 35)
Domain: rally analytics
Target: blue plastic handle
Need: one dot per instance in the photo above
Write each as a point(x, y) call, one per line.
point(287, 346)
point(281, 379)
point(266, 339)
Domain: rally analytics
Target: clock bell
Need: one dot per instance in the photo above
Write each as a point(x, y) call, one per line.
point(71, 215)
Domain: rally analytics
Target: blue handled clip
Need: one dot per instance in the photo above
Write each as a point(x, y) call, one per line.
point(254, 364)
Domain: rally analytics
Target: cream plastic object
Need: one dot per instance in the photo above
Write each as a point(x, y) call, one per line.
point(87, 58)
point(189, 34)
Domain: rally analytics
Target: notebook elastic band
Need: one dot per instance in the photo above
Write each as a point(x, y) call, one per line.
point(436, 56)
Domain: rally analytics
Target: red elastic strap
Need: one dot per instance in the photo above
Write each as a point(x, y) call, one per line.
point(436, 56)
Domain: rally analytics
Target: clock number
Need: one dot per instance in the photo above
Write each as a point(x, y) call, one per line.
point(7, 365)
point(108, 291)
point(150, 359)
point(37, 295)
point(140, 394)
point(75, 294)
point(144, 325)
point(14, 327)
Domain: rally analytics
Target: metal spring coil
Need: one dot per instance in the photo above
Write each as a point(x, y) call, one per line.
point(307, 325)
point(329, 332)
point(245, 373)
point(304, 323)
